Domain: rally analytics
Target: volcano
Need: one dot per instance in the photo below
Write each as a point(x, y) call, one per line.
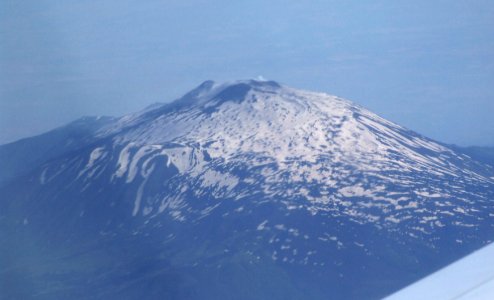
point(240, 190)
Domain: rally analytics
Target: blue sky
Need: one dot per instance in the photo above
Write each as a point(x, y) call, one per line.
point(427, 65)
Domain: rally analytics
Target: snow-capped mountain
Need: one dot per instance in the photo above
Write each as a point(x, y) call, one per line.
point(241, 190)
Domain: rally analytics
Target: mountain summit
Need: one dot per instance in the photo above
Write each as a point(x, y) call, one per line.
point(241, 190)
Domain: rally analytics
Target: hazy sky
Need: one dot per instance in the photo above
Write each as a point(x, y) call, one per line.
point(427, 65)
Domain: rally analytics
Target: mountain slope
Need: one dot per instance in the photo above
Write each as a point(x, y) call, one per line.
point(246, 190)
point(19, 157)
point(481, 154)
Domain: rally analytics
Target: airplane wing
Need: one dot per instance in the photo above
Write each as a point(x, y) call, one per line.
point(471, 277)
